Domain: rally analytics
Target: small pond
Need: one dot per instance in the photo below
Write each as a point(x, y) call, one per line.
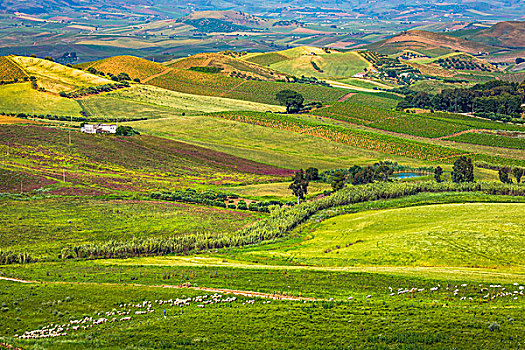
point(406, 175)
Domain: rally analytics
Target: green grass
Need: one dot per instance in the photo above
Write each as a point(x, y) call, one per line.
point(490, 140)
point(266, 145)
point(181, 102)
point(434, 86)
point(43, 227)
point(21, 98)
point(463, 235)
point(418, 322)
point(277, 191)
point(373, 101)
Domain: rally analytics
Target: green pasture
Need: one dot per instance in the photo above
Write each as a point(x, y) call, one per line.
point(463, 235)
point(43, 227)
point(276, 191)
point(419, 321)
point(21, 98)
point(262, 144)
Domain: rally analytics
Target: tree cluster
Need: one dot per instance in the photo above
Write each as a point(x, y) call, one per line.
point(497, 97)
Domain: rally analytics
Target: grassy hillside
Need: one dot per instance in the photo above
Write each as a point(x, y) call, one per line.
point(428, 43)
point(22, 98)
point(90, 220)
point(313, 62)
point(9, 70)
point(134, 66)
point(263, 144)
point(146, 101)
point(460, 235)
point(229, 66)
point(97, 164)
point(265, 59)
point(54, 77)
point(257, 91)
point(507, 34)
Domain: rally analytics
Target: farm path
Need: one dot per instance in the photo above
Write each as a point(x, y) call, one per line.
point(463, 132)
point(347, 96)
point(157, 75)
point(233, 88)
point(245, 293)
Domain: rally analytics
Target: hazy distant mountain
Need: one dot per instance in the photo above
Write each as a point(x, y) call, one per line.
point(392, 9)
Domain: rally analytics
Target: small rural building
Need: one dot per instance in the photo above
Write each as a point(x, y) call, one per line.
point(99, 128)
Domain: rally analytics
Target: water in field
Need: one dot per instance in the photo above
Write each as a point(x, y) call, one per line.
point(406, 175)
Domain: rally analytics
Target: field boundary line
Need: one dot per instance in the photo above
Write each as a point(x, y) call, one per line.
point(462, 133)
point(157, 75)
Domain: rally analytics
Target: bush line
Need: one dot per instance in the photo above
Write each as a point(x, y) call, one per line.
point(280, 222)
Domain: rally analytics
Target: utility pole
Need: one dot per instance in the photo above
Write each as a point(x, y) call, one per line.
point(63, 175)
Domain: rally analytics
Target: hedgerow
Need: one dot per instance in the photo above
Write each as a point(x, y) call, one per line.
point(279, 223)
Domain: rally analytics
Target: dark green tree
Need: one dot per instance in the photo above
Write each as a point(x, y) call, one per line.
point(338, 181)
point(123, 77)
point(438, 171)
point(383, 171)
point(463, 170)
point(291, 99)
point(299, 185)
point(312, 174)
point(365, 176)
point(504, 175)
point(126, 131)
point(518, 173)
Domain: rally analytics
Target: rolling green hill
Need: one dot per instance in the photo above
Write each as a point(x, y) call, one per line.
point(313, 62)
point(54, 77)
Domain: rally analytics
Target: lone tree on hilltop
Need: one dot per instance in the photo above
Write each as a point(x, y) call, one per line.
point(299, 185)
point(438, 171)
point(291, 99)
point(463, 170)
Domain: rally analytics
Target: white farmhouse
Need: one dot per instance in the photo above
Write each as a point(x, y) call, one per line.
point(99, 128)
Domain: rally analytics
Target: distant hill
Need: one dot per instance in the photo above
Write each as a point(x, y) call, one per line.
point(429, 43)
point(505, 34)
point(228, 66)
point(234, 17)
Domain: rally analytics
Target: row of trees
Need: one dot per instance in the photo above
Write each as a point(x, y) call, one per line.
point(462, 172)
point(497, 97)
